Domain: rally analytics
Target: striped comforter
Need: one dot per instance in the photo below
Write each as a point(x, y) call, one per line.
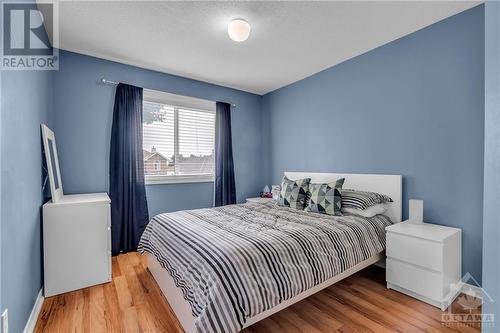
point(234, 262)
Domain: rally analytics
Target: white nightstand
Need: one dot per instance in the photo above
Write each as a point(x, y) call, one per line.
point(424, 261)
point(259, 200)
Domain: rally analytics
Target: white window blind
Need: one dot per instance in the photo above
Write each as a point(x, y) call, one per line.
point(178, 140)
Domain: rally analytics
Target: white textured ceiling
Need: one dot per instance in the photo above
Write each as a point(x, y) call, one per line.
point(289, 40)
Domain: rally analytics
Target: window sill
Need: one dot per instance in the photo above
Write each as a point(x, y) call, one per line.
point(158, 180)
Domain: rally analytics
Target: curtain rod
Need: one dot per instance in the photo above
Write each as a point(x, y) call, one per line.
point(114, 83)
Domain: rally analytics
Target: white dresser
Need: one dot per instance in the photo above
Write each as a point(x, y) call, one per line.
point(76, 242)
point(424, 261)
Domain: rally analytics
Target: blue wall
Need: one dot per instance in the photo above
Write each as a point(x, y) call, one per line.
point(413, 107)
point(26, 103)
point(491, 223)
point(82, 124)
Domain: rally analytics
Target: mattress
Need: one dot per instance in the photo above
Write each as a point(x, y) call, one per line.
point(237, 261)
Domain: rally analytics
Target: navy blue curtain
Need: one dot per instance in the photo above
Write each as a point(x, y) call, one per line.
point(129, 207)
point(224, 186)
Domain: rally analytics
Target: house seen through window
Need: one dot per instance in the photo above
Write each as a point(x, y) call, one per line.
point(178, 138)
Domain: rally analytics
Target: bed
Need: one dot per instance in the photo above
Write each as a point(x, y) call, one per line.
point(223, 269)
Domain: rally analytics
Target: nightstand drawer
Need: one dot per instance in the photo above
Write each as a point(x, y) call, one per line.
point(415, 279)
point(416, 251)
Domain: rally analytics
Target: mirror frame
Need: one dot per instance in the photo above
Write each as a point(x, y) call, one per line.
point(47, 135)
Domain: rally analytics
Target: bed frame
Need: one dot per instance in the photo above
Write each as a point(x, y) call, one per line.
point(390, 185)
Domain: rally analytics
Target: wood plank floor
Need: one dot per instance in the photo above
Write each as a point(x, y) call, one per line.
point(133, 302)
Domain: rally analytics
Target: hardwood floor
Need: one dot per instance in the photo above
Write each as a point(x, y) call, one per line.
point(133, 302)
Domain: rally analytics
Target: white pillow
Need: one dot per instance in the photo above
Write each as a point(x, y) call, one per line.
point(368, 212)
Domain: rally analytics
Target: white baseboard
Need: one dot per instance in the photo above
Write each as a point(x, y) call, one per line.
point(37, 307)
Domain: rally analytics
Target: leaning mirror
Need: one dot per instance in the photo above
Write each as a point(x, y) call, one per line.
point(49, 145)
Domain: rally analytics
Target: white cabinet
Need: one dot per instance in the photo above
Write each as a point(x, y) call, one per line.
point(76, 242)
point(424, 261)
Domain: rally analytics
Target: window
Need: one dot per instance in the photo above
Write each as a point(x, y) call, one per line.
point(178, 138)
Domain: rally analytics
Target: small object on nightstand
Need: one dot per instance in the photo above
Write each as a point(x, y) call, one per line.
point(275, 191)
point(416, 211)
point(259, 200)
point(266, 193)
point(424, 261)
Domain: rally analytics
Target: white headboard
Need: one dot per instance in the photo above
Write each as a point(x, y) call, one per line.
point(390, 185)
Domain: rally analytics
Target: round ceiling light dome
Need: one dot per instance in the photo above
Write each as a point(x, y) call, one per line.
point(238, 30)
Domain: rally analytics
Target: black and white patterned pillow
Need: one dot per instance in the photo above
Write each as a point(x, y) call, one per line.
point(362, 199)
point(293, 193)
point(326, 198)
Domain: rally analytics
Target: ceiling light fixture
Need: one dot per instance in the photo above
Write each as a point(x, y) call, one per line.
point(238, 30)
